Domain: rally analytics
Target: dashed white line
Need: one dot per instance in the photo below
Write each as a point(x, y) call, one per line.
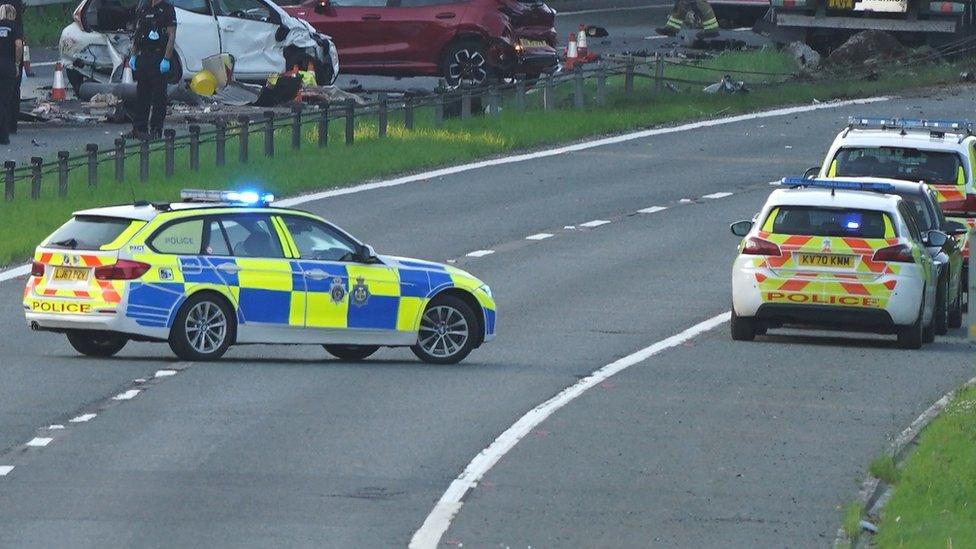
point(717, 195)
point(685, 201)
point(39, 441)
point(594, 223)
point(480, 253)
point(540, 236)
point(165, 373)
point(83, 418)
point(55, 427)
point(5, 470)
point(652, 209)
point(128, 395)
point(439, 519)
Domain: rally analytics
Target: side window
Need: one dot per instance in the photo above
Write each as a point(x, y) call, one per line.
point(180, 238)
point(358, 3)
point(252, 10)
point(251, 236)
point(910, 222)
point(196, 6)
point(214, 240)
point(319, 241)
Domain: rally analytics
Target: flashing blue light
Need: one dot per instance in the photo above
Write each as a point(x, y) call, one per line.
point(838, 185)
point(244, 197)
point(236, 197)
point(853, 225)
point(909, 123)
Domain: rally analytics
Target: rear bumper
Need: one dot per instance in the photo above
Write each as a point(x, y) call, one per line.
point(877, 320)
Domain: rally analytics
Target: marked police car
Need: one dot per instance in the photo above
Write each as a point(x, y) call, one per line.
point(223, 268)
point(839, 254)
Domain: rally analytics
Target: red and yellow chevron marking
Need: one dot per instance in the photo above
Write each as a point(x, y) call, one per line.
point(861, 247)
point(946, 193)
point(99, 295)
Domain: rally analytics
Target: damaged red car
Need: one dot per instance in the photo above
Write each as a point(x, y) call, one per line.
point(463, 41)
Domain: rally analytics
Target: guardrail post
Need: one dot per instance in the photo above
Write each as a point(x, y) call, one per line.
point(408, 112)
point(324, 127)
point(194, 147)
point(548, 91)
point(659, 75)
point(382, 115)
point(439, 110)
point(296, 126)
point(244, 130)
point(143, 160)
point(520, 95)
point(578, 100)
point(92, 150)
point(601, 87)
point(269, 128)
point(119, 159)
point(465, 104)
point(8, 179)
point(169, 147)
point(493, 101)
point(350, 122)
point(971, 312)
point(629, 78)
point(220, 142)
point(63, 173)
point(36, 162)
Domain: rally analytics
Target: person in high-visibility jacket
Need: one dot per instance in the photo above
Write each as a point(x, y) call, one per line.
point(677, 18)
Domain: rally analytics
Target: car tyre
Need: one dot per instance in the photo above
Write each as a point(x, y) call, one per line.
point(955, 311)
point(910, 337)
point(940, 317)
point(96, 344)
point(204, 328)
point(447, 331)
point(743, 328)
point(351, 353)
point(465, 62)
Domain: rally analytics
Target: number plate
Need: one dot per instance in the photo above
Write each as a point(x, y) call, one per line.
point(69, 274)
point(532, 43)
point(825, 260)
point(840, 4)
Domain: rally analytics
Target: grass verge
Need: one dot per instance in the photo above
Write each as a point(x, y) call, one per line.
point(852, 521)
point(932, 504)
point(43, 24)
point(25, 222)
point(884, 468)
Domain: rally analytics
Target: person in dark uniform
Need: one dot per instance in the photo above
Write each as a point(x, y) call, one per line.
point(15, 103)
point(152, 50)
point(11, 55)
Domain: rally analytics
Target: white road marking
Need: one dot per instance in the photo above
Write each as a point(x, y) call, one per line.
point(39, 441)
point(439, 519)
point(594, 223)
point(540, 236)
point(9, 274)
point(43, 64)
point(652, 209)
point(602, 10)
point(685, 201)
point(82, 418)
point(480, 253)
point(569, 227)
point(165, 373)
point(55, 427)
point(128, 395)
point(5, 470)
point(717, 195)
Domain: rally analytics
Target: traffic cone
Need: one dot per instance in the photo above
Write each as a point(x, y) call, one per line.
point(572, 52)
point(581, 42)
point(58, 92)
point(127, 73)
point(27, 65)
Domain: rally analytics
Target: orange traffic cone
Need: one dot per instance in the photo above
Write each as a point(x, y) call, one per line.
point(58, 92)
point(27, 65)
point(581, 42)
point(572, 52)
point(127, 73)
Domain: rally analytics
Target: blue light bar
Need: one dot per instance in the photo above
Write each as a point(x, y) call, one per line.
point(794, 182)
point(910, 124)
point(250, 198)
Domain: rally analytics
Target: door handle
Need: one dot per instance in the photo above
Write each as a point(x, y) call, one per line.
point(316, 274)
point(371, 17)
point(446, 15)
point(228, 268)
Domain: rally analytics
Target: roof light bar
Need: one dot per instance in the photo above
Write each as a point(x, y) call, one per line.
point(910, 124)
point(250, 198)
point(794, 182)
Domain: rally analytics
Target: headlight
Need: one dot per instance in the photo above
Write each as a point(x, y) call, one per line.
point(487, 290)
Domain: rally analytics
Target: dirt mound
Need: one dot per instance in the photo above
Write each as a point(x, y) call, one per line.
point(868, 46)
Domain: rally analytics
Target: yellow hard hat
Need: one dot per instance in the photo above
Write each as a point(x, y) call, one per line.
point(204, 83)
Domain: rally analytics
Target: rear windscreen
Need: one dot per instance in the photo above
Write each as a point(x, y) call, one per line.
point(932, 167)
point(88, 232)
point(813, 221)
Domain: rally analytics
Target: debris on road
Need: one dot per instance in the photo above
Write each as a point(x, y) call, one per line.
point(727, 85)
point(867, 47)
point(806, 58)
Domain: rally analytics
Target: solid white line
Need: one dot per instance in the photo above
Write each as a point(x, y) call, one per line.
point(540, 236)
point(39, 441)
point(717, 195)
point(126, 395)
point(82, 418)
point(439, 519)
point(43, 64)
point(10, 274)
point(480, 253)
point(5, 470)
point(652, 209)
point(594, 223)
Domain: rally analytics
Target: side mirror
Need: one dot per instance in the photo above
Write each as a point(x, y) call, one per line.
point(321, 6)
point(955, 228)
point(366, 254)
point(741, 228)
point(935, 239)
point(811, 173)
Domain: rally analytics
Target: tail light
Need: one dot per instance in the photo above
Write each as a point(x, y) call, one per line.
point(757, 246)
point(122, 270)
point(900, 253)
point(37, 268)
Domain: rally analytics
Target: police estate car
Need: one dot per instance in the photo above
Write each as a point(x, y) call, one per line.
point(840, 254)
point(223, 268)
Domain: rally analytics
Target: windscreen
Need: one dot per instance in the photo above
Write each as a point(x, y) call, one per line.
point(933, 167)
point(814, 221)
point(85, 232)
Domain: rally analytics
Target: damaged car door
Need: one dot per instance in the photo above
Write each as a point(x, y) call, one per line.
point(198, 27)
point(252, 32)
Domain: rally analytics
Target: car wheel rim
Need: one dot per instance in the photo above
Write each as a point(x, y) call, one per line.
point(443, 331)
point(468, 67)
point(206, 327)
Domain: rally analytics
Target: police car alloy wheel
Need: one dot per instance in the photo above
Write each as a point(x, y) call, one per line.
point(351, 353)
point(203, 330)
point(96, 344)
point(447, 331)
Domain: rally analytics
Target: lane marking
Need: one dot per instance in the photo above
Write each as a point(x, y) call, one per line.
point(39, 441)
point(56, 427)
point(128, 395)
point(685, 201)
point(717, 195)
point(5, 470)
point(439, 519)
point(540, 236)
point(43, 64)
point(443, 172)
point(652, 209)
point(604, 10)
point(165, 373)
point(480, 253)
point(82, 418)
point(594, 223)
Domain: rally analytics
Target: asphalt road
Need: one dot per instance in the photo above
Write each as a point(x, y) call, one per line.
point(712, 443)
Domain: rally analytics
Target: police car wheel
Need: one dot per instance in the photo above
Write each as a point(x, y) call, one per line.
point(447, 331)
point(95, 344)
point(351, 353)
point(940, 317)
point(742, 328)
point(955, 311)
point(910, 337)
point(203, 329)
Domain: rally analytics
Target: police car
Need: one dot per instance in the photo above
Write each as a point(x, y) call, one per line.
point(222, 268)
point(841, 254)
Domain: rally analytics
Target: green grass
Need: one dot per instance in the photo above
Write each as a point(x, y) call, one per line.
point(934, 501)
point(43, 24)
point(25, 222)
point(883, 467)
point(852, 521)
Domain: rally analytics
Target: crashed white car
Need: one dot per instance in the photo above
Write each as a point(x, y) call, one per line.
point(260, 36)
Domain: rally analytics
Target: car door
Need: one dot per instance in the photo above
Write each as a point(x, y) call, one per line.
point(351, 301)
point(196, 33)
point(930, 269)
point(248, 31)
point(357, 27)
point(421, 29)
